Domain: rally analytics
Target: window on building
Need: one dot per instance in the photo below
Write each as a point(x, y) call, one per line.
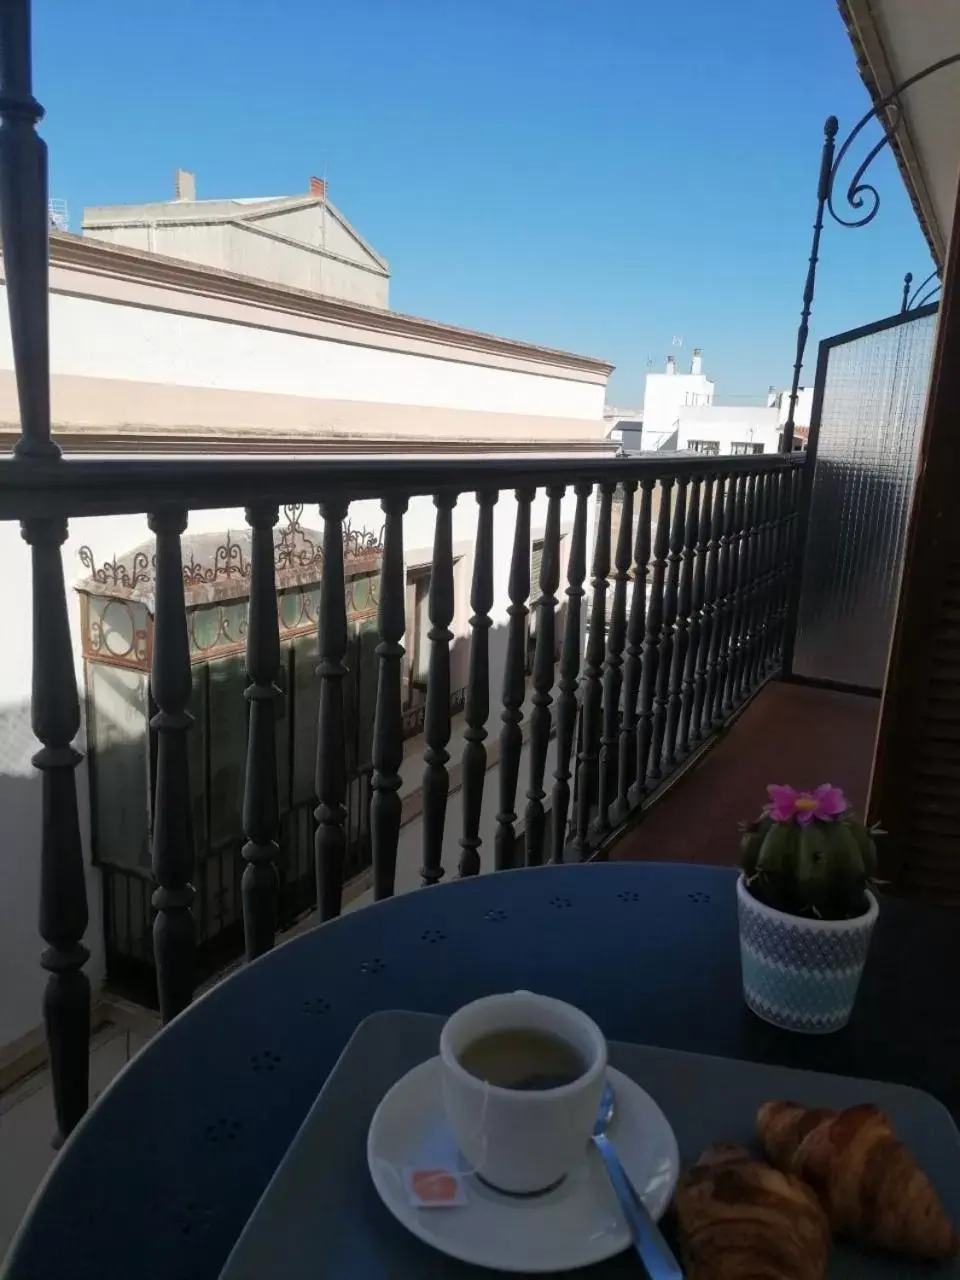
point(704, 446)
point(417, 643)
point(745, 447)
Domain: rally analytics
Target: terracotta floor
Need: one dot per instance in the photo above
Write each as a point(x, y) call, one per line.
point(789, 733)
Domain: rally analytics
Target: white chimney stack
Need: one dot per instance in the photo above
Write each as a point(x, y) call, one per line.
point(185, 185)
point(696, 362)
point(671, 365)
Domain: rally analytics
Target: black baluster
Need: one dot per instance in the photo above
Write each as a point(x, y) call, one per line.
point(330, 843)
point(792, 481)
point(735, 595)
point(760, 576)
point(24, 222)
point(613, 664)
point(473, 768)
point(170, 682)
point(771, 639)
point(63, 893)
point(566, 707)
point(780, 584)
point(591, 690)
point(436, 715)
point(55, 707)
point(688, 613)
point(387, 752)
point(627, 763)
point(746, 570)
point(650, 656)
point(712, 600)
point(778, 479)
point(726, 586)
point(667, 684)
point(261, 811)
point(514, 685)
point(758, 624)
point(704, 589)
point(543, 671)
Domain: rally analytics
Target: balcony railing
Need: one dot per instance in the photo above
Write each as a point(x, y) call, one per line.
point(414, 716)
point(698, 579)
point(699, 576)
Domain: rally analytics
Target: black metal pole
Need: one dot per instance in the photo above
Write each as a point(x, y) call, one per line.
point(905, 300)
point(804, 502)
point(823, 194)
point(24, 230)
point(55, 706)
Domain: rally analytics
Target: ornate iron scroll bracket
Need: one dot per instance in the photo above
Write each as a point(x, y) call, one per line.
point(863, 201)
point(888, 110)
point(925, 291)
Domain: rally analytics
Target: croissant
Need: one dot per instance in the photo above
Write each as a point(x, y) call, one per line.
point(870, 1185)
point(740, 1219)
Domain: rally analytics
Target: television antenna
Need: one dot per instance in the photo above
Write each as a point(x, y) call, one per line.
point(59, 215)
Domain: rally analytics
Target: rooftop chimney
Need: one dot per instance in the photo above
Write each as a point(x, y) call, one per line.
point(318, 187)
point(671, 365)
point(696, 363)
point(185, 185)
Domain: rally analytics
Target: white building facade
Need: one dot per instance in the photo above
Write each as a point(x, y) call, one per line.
point(720, 428)
point(665, 394)
point(780, 400)
point(152, 355)
point(680, 413)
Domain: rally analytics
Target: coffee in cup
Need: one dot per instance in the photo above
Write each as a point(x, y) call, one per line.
point(522, 1077)
point(522, 1058)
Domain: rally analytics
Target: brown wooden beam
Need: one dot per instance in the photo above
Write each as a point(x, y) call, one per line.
point(915, 785)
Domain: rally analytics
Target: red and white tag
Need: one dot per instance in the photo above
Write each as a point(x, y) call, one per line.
point(434, 1188)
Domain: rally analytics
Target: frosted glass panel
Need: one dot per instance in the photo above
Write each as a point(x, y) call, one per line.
point(873, 403)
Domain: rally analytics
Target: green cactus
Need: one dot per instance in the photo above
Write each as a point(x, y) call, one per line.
point(821, 869)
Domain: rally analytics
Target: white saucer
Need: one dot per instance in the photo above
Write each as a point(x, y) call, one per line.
point(575, 1225)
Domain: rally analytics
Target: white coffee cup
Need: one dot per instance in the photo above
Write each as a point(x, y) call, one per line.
point(519, 1141)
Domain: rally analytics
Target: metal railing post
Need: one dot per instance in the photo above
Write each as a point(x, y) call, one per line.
point(55, 704)
point(823, 195)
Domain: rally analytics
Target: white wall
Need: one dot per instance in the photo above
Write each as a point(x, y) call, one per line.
point(98, 338)
point(664, 394)
point(804, 409)
point(623, 427)
point(20, 945)
point(729, 425)
point(317, 226)
point(250, 250)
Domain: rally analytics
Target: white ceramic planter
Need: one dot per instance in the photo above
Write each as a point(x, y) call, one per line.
point(799, 974)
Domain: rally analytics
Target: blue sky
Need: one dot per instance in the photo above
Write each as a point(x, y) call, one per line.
point(598, 175)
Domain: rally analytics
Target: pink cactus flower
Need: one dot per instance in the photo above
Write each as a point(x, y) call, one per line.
point(787, 804)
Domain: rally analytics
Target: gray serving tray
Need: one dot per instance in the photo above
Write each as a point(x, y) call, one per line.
point(321, 1219)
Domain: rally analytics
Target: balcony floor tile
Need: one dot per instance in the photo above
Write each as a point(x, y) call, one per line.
point(789, 733)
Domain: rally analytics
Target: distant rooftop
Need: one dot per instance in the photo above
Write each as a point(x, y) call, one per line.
point(300, 240)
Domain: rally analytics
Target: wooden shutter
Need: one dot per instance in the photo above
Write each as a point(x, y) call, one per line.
point(915, 789)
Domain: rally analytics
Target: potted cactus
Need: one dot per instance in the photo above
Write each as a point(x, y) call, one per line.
point(806, 908)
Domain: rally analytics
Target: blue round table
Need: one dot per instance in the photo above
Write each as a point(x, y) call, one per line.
point(162, 1174)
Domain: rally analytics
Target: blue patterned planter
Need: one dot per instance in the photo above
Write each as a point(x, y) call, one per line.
point(801, 975)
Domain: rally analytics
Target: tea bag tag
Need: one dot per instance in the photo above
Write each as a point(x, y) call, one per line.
point(434, 1188)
